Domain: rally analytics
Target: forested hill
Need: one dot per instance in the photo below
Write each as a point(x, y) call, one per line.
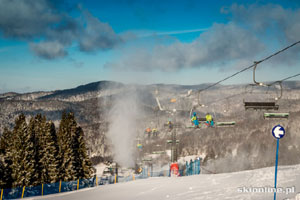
point(247, 143)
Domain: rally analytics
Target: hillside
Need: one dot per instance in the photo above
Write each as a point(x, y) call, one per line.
point(104, 106)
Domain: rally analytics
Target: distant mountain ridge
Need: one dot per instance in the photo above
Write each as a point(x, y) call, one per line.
point(95, 87)
point(90, 87)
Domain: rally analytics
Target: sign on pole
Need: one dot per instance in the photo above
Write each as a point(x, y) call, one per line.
point(278, 132)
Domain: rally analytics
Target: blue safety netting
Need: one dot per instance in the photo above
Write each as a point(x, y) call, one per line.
point(51, 188)
point(191, 168)
point(12, 193)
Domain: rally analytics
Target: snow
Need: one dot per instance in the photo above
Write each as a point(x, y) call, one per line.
point(100, 168)
point(197, 187)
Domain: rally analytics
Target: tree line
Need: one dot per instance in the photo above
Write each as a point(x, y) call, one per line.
point(36, 152)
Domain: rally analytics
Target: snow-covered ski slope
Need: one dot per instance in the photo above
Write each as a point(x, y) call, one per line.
point(203, 186)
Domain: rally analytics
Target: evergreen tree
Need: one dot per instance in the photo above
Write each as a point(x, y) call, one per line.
point(39, 130)
point(2, 183)
point(50, 154)
point(31, 159)
point(34, 154)
point(76, 163)
point(60, 139)
point(84, 161)
point(76, 154)
point(66, 147)
point(6, 179)
point(18, 151)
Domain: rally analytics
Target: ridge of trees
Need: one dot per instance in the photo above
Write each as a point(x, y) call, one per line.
point(36, 152)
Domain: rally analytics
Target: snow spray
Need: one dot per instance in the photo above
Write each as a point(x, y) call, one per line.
point(123, 118)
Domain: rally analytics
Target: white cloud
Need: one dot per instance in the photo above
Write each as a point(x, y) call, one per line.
point(252, 32)
point(222, 42)
point(55, 30)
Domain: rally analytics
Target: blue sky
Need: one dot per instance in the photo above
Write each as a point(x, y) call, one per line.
point(49, 45)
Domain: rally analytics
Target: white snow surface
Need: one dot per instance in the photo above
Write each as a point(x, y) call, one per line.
point(197, 187)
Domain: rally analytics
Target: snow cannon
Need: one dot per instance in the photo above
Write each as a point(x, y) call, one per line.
point(174, 169)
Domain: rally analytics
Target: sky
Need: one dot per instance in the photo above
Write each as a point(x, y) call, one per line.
point(50, 44)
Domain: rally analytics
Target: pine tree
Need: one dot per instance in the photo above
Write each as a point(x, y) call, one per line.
point(84, 160)
point(31, 161)
point(81, 162)
point(76, 163)
point(2, 183)
point(34, 154)
point(66, 151)
point(50, 154)
point(73, 146)
point(60, 138)
point(39, 129)
point(6, 179)
point(18, 151)
point(76, 154)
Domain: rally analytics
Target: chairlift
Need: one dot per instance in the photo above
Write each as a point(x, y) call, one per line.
point(163, 109)
point(158, 150)
point(225, 124)
point(147, 159)
point(262, 105)
point(139, 144)
point(227, 106)
point(198, 105)
point(171, 141)
point(276, 115)
point(203, 119)
point(200, 119)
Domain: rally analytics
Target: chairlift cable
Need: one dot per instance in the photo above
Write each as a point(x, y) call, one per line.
point(253, 65)
point(285, 79)
point(245, 92)
point(231, 96)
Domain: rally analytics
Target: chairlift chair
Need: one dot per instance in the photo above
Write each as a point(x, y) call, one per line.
point(158, 150)
point(225, 124)
point(147, 159)
point(262, 105)
point(276, 115)
point(203, 119)
point(198, 105)
point(171, 141)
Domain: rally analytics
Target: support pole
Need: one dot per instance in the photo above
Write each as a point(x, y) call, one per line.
point(276, 164)
point(59, 190)
point(23, 192)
